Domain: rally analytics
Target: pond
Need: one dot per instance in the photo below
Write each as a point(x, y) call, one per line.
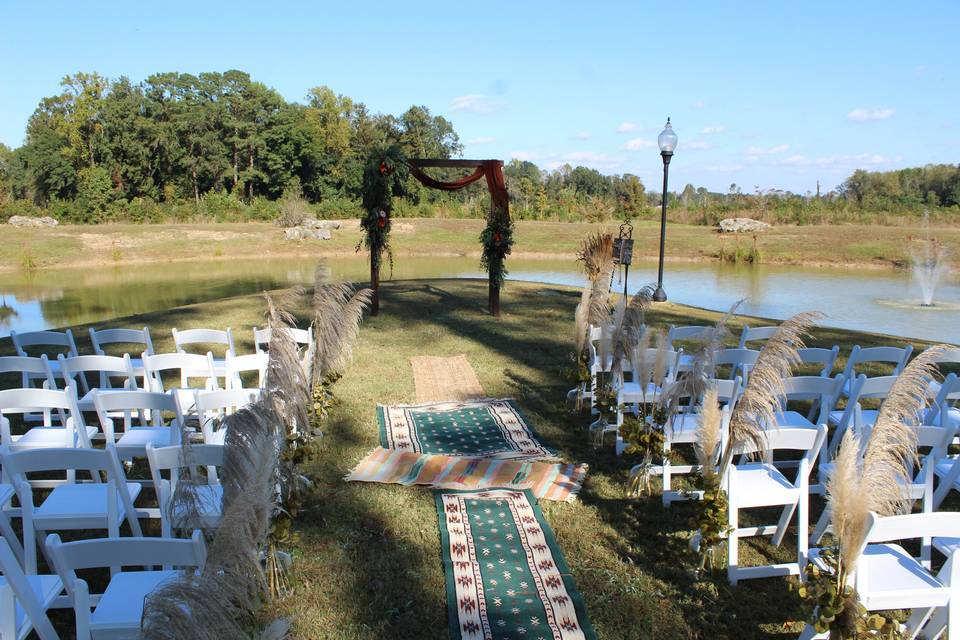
point(869, 300)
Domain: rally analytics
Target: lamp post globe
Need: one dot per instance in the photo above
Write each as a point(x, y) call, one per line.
point(667, 141)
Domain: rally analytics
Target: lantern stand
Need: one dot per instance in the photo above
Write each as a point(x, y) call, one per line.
point(623, 251)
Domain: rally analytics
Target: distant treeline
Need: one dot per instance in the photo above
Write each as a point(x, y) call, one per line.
point(222, 146)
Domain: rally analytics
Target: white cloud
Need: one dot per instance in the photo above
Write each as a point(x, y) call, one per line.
point(638, 143)
point(476, 103)
point(711, 130)
point(524, 155)
point(699, 104)
point(627, 127)
point(481, 140)
point(754, 152)
point(695, 145)
point(845, 163)
point(583, 135)
point(867, 115)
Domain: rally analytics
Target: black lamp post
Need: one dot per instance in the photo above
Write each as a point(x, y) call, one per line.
point(667, 141)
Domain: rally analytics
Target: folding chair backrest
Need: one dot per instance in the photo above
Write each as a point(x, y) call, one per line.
point(69, 557)
point(19, 464)
point(59, 339)
point(20, 608)
point(64, 402)
point(740, 360)
point(189, 365)
point(107, 367)
point(238, 365)
point(261, 337)
point(149, 405)
point(825, 358)
point(29, 368)
point(821, 391)
point(140, 337)
point(212, 406)
point(188, 337)
point(939, 411)
point(885, 355)
point(876, 387)
point(649, 356)
point(752, 334)
point(788, 439)
point(167, 462)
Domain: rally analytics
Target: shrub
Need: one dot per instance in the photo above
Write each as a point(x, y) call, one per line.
point(20, 208)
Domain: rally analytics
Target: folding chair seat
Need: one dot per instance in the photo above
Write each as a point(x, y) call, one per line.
point(73, 505)
point(116, 613)
point(152, 428)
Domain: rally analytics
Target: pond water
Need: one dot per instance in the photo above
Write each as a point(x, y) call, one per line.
point(868, 300)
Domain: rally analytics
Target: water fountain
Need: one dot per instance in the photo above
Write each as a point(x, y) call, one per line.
point(928, 258)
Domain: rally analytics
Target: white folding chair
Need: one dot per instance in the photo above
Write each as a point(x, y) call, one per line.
point(75, 506)
point(637, 391)
point(688, 334)
point(760, 484)
point(740, 361)
point(895, 356)
point(61, 341)
point(125, 337)
point(198, 463)
point(755, 334)
point(30, 369)
point(24, 600)
point(254, 363)
point(186, 367)
point(818, 356)
point(932, 443)
point(113, 374)
point(149, 407)
point(888, 577)
point(71, 432)
point(116, 612)
point(213, 406)
point(189, 337)
point(302, 337)
point(682, 429)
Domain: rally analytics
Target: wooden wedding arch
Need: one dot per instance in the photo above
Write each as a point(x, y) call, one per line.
point(496, 238)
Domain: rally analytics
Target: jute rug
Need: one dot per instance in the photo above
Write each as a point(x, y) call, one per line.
point(506, 577)
point(474, 428)
point(547, 481)
point(437, 379)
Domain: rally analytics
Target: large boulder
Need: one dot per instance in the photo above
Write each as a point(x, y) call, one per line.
point(306, 233)
point(741, 225)
point(313, 223)
point(28, 221)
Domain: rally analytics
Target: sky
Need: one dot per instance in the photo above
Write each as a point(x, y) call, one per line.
point(769, 95)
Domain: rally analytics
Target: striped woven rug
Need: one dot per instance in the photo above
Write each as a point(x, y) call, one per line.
point(547, 481)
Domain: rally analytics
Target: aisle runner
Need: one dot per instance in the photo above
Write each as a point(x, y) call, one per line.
point(506, 577)
point(481, 428)
point(436, 378)
point(547, 481)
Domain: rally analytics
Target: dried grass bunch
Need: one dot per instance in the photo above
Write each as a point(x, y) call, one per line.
point(337, 313)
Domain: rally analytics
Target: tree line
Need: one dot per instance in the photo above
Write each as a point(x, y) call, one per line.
point(223, 146)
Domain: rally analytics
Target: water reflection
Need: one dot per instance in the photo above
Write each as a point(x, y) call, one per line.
point(879, 301)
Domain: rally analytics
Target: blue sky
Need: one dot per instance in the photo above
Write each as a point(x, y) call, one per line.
point(768, 94)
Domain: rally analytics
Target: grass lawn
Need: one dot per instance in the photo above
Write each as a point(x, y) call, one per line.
point(115, 244)
point(367, 556)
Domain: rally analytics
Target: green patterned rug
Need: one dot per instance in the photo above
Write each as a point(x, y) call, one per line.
point(475, 428)
point(506, 577)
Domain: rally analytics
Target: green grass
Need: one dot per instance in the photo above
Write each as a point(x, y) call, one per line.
point(367, 556)
point(91, 245)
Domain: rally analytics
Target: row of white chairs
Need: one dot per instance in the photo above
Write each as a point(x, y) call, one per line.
point(105, 500)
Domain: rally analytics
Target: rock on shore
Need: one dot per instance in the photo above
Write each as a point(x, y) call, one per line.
point(741, 225)
point(28, 221)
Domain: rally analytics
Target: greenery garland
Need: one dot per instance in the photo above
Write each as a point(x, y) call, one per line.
point(497, 239)
point(382, 178)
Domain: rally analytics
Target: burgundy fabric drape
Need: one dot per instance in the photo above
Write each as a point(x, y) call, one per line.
point(427, 181)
